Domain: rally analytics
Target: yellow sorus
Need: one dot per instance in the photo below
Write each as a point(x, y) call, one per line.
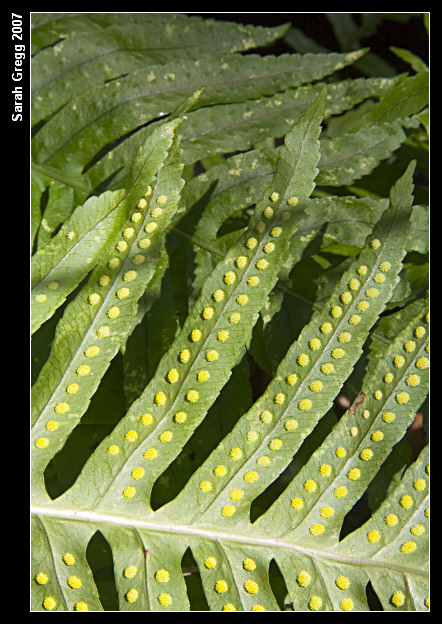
point(94, 298)
point(192, 396)
point(162, 576)
point(234, 318)
point(104, 280)
point(165, 436)
point(160, 398)
point(131, 595)
point(251, 476)
point(326, 512)
point(293, 201)
point(362, 270)
point(103, 331)
point(342, 582)
point(408, 547)
point(253, 281)
point(180, 418)
point(377, 436)
point(276, 231)
point(41, 578)
point(74, 582)
point(129, 492)
point(229, 607)
point(366, 454)
point(292, 379)
point(417, 530)
point(406, 501)
point(61, 408)
point(150, 454)
point(92, 351)
point(165, 599)
point(131, 436)
point(223, 335)
point(379, 278)
point(196, 335)
point(241, 262)
point(52, 425)
point(410, 346)
point(251, 243)
point(144, 243)
point(279, 398)
point(297, 503)
point(114, 449)
point(346, 297)
point(327, 368)
point(220, 471)
point(419, 485)
point(420, 332)
point(362, 306)
point(336, 311)
point(340, 452)
point(210, 563)
point(228, 511)
point(422, 363)
point(114, 263)
point(314, 344)
point(229, 278)
point(156, 212)
point(398, 599)
point(184, 356)
point(128, 232)
point(268, 213)
point(130, 571)
point(373, 536)
point(218, 295)
point(123, 293)
point(274, 196)
point(388, 417)
point(269, 248)
point(262, 264)
point(275, 445)
point(375, 243)
point(354, 283)
point(203, 375)
point(344, 337)
point(305, 405)
point(251, 587)
point(354, 474)
point(325, 470)
point(146, 419)
point(310, 485)
point(413, 380)
point(212, 355)
point(372, 293)
point(138, 259)
point(354, 431)
point(122, 246)
point(129, 276)
point(303, 359)
point(173, 376)
point(143, 203)
point(398, 361)
point(137, 473)
point(150, 227)
point(235, 453)
point(260, 227)
point(316, 529)
point(221, 586)
point(377, 395)
point(136, 217)
point(388, 377)
point(338, 353)
point(315, 603)
point(113, 313)
point(236, 495)
point(354, 319)
point(402, 398)
point(161, 199)
point(81, 606)
point(346, 604)
point(248, 564)
point(385, 266)
point(263, 461)
point(49, 603)
point(391, 519)
point(340, 492)
point(365, 414)
point(242, 299)
point(303, 579)
point(266, 417)
point(326, 328)
point(316, 386)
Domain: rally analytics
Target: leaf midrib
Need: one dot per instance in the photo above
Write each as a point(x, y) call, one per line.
point(247, 538)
